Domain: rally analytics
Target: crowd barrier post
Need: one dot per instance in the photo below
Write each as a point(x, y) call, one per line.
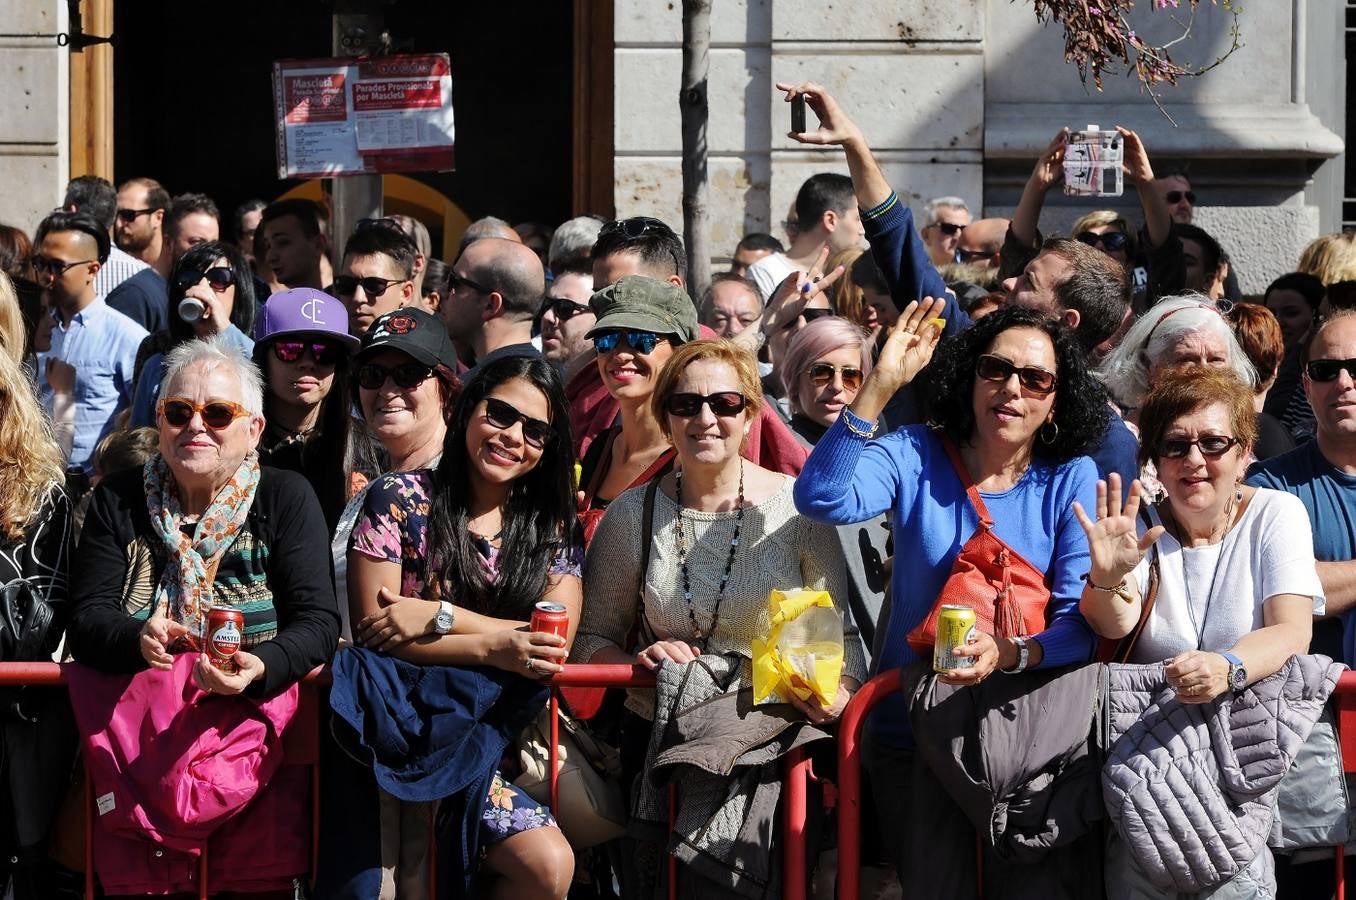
point(850, 779)
point(1346, 735)
point(794, 790)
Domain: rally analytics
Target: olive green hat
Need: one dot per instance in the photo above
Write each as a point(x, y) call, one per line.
point(638, 303)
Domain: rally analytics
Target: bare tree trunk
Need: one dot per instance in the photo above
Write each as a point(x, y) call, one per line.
point(692, 104)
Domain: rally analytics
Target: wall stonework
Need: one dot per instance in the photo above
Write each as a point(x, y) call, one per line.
point(34, 111)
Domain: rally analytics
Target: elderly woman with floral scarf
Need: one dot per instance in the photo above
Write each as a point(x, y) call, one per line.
point(202, 525)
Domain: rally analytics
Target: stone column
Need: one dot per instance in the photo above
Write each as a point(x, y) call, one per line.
point(34, 111)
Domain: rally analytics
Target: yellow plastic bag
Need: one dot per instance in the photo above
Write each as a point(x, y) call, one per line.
point(803, 653)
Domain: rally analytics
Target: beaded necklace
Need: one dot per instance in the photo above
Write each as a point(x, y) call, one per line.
point(682, 554)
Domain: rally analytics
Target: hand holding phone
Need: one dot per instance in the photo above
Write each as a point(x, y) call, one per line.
point(798, 114)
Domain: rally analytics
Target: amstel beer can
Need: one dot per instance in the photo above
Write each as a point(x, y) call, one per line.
point(551, 618)
point(225, 628)
point(955, 628)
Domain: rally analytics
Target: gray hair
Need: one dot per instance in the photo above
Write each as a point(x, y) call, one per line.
point(573, 242)
point(213, 353)
point(936, 203)
point(1125, 372)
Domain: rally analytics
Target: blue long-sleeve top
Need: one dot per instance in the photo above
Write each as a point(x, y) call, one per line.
point(849, 478)
point(903, 259)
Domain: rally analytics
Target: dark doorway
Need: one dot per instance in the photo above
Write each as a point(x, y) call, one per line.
point(193, 96)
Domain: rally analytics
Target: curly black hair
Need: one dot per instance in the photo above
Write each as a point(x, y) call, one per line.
point(1081, 410)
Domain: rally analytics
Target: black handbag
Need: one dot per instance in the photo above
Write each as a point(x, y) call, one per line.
point(26, 632)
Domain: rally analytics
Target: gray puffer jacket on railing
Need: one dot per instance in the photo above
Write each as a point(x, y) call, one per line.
point(1191, 787)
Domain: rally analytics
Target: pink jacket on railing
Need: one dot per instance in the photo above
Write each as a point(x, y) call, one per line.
point(170, 766)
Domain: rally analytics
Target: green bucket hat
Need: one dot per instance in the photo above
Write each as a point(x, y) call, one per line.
point(638, 303)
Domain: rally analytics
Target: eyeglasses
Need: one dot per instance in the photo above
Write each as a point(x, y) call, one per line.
point(42, 265)
point(640, 341)
point(504, 416)
point(950, 229)
point(406, 375)
point(216, 414)
point(1212, 446)
point(219, 278)
point(723, 404)
point(1325, 370)
point(1109, 240)
point(323, 352)
point(809, 315)
point(1034, 379)
point(1176, 196)
point(131, 215)
point(969, 256)
point(822, 373)
point(634, 227)
point(564, 308)
point(373, 287)
point(455, 281)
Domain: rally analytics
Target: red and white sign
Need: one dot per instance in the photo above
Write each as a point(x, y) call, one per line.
point(356, 117)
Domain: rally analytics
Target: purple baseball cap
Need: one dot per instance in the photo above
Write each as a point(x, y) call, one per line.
point(303, 311)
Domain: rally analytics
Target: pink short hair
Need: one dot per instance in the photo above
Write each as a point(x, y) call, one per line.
point(820, 338)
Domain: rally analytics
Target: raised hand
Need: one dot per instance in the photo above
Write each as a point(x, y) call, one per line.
point(1049, 169)
point(1114, 544)
point(795, 293)
point(910, 345)
point(1135, 160)
point(834, 125)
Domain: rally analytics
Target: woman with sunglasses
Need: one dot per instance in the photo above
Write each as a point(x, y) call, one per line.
point(213, 284)
point(1012, 397)
point(444, 569)
point(1237, 589)
point(724, 534)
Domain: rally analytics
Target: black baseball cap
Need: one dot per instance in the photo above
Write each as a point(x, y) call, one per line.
point(418, 334)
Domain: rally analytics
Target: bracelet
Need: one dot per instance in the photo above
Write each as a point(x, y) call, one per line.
point(868, 432)
point(1023, 657)
point(1120, 590)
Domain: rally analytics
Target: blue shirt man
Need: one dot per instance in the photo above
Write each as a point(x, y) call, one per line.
point(1322, 473)
point(88, 370)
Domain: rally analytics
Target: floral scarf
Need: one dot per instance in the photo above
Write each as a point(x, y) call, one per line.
point(186, 586)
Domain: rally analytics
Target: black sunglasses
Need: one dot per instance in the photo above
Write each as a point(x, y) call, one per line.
point(131, 215)
point(42, 265)
point(640, 341)
point(632, 228)
point(722, 403)
point(323, 352)
point(371, 376)
point(809, 315)
point(1110, 240)
point(383, 223)
point(373, 287)
point(1176, 196)
point(219, 278)
point(455, 281)
point(969, 256)
point(1034, 379)
point(1212, 446)
point(504, 416)
point(563, 307)
point(1325, 370)
point(822, 373)
point(950, 229)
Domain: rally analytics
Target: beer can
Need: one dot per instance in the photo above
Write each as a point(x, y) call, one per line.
point(955, 627)
point(225, 628)
point(191, 309)
point(552, 618)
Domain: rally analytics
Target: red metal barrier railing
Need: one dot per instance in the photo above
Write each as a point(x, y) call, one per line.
point(793, 795)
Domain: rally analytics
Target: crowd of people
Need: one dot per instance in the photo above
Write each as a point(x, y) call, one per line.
point(1094, 441)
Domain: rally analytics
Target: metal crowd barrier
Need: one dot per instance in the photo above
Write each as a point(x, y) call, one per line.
point(302, 746)
point(886, 683)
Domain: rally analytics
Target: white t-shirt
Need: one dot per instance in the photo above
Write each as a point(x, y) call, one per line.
point(1269, 551)
point(769, 272)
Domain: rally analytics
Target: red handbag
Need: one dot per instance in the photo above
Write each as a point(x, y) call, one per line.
point(1008, 594)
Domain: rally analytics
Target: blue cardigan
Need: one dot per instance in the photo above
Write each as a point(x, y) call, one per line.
point(907, 473)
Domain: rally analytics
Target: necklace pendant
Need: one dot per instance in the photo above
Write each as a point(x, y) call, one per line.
point(698, 635)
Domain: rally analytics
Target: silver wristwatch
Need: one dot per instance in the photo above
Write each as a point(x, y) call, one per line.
point(442, 622)
point(1023, 657)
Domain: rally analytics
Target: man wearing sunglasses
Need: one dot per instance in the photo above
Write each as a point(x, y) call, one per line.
point(494, 295)
point(139, 228)
point(946, 218)
point(376, 275)
point(1322, 473)
point(566, 318)
point(93, 350)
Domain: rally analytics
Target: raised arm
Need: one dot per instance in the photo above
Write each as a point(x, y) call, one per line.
point(1157, 220)
point(1048, 172)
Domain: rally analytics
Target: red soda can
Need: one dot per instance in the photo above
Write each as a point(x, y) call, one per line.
point(552, 618)
point(225, 628)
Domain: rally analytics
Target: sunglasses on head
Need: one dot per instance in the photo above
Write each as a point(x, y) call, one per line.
point(722, 403)
point(1212, 446)
point(1034, 379)
point(219, 278)
point(131, 215)
point(1110, 240)
point(373, 287)
point(1325, 370)
point(950, 229)
point(640, 341)
point(383, 223)
point(501, 415)
point(216, 414)
point(323, 352)
point(564, 308)
point(821, 374)
point(406, 375)
point(632, 228)
point(809, 315)
point(1176, 196)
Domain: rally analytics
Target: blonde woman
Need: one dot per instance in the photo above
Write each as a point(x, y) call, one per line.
point(1330, 258)
point(13, 335)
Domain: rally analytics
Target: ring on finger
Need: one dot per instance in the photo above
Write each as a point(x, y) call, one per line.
point(530, 664)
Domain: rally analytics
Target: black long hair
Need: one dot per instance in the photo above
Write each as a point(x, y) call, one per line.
point(539, 515)
point(200, 257)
